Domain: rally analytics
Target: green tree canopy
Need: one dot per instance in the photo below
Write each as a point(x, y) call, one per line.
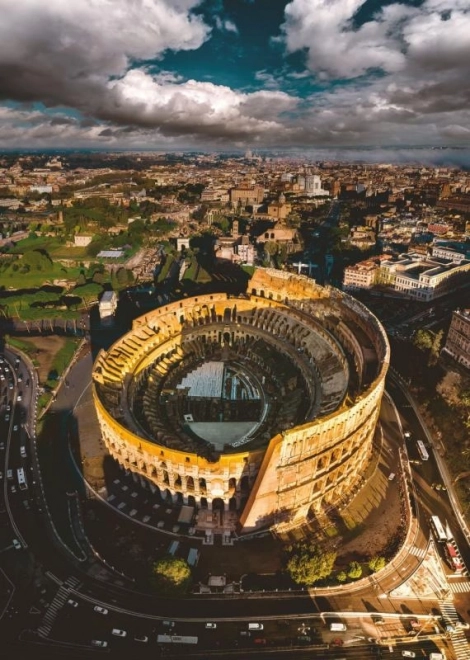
point(376, 563)
point(172, 575)
point(308, 564)
point(354, 570)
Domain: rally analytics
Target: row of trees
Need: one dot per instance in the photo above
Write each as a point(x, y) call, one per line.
point(308, 564)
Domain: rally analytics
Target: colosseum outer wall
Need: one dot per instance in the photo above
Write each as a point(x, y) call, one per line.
point(303, 469)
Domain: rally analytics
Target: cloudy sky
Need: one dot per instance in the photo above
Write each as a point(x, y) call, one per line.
point(234, 74)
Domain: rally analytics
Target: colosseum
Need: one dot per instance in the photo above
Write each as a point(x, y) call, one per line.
point(262, 406)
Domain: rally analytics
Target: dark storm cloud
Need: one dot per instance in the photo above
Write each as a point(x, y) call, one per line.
point(93, 56)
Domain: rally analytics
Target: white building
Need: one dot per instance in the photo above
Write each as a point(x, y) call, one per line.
point(313, 186)
point(108, 306)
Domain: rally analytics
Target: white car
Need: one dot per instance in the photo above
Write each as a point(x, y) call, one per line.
point(101, 610)
point(118, 633)
point(211, 626)
point(408, 654)
point(16, 544)
point(99, 642)
point(72, 603)
point(143, 638)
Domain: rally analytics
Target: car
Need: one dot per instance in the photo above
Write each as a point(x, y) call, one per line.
point(15, 428)
point(2, 446)
point(255, 626)
point(16, 544)
point(143, 638)
point(13, 488)
point(391, 476)
point(19, 397)
point(100, 610)
point(118, 632)
point(99, 642)
point(168, 624)
point(408, 654)
point(72, 603)
point(1, 476)
point(211, 626)
point(7, 418)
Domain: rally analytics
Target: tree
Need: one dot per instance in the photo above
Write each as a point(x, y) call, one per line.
point(354, 570)
point(172, 575)
point(309, 564)
point(342, 576)
point(376, 564)
point(423, 339)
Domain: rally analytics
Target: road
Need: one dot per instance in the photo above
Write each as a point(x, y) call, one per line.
point(54, 574)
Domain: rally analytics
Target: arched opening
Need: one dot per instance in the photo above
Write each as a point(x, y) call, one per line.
point(232, 483)
point(226, 337)
point(245, 484)
point(217, 504)
point(203, 503)
point(178, 482)
point(166, 478)
point(179, 498)
point(232, 504)
point(189, 483)
point(202, 485)
point(191, 500)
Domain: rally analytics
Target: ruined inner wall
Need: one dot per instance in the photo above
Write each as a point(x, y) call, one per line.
point(306, 467)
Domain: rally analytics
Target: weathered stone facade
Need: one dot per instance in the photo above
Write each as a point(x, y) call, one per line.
point(342, 354)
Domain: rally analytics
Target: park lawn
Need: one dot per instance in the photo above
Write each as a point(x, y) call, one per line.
point(68, 252)
point(47, 243)
point(12, 279)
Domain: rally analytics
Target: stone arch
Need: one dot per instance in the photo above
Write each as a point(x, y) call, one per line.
point(189, 483)
point(218, 504)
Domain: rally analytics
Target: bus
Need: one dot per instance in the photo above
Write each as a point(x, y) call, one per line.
point(422, 450)
point(176, 639)
point(453, 558)
point(438, 529)
point(22, 479)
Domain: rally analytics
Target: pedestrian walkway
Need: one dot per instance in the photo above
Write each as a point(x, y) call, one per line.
point(418, 552)
point(459, 587)
point(58, 602)
point(457, 637)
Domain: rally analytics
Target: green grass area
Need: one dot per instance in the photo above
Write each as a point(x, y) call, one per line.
point(64, 356)
point(21, 344)
point(35, 242)
point(165, 268)
point(68, 252)
point(14, 279)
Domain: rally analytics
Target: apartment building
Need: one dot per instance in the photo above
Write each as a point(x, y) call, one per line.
point(458, 338)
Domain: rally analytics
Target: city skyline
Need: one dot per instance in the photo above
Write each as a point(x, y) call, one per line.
point(236, 74)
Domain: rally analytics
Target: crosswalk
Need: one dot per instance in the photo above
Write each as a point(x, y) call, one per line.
point(460, 587)
point(457, 638)
point(418, 552)
point(58, 602)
